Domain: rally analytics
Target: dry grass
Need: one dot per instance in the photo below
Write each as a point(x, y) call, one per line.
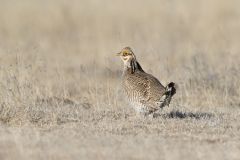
point(60, 95)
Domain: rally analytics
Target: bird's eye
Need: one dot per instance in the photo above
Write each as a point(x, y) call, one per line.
point(125, 53)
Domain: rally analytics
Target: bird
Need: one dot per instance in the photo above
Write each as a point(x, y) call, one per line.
point(144, 92)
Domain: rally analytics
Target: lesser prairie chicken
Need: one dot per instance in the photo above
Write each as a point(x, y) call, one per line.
point(144, 92)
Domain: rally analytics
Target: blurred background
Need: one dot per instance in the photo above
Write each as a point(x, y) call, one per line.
point(194, 43)
point(96, 29)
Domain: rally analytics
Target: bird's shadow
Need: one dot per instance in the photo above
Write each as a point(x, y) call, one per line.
point(176, 114)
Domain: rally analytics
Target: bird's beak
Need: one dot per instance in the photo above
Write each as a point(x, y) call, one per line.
point(118, 54)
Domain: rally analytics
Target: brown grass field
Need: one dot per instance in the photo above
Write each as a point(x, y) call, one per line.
point(60, 93)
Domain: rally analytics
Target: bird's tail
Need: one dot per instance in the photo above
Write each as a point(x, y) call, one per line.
point(170, 89)
point(166, 98)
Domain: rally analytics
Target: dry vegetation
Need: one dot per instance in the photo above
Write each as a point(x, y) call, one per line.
point(59, 79)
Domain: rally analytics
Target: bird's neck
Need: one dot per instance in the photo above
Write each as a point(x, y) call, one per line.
point(132, 66)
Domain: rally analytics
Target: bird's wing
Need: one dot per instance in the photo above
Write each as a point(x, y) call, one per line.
point(147, 87)
point(156, 88)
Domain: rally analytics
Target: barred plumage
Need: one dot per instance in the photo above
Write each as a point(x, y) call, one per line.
point(144, 91)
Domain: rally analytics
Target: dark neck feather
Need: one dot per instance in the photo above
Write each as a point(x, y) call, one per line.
point(139, 67)
point(135, 66)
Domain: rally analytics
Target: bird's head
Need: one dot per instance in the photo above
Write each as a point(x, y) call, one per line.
point(127, 55)
point(129, 60)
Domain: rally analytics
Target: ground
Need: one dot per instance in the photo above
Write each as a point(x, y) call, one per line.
point(60, 92)
point(119, 134)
